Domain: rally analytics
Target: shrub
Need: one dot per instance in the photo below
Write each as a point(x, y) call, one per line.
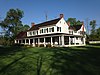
point(36, 45)
point(41, 45)
point(48, 45)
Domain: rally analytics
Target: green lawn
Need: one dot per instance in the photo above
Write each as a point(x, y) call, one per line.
point(50, 61)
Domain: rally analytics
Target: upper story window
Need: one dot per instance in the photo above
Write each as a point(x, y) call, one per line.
point(33, 33)
point(45, 30)
point(40, 31)
point(75, 31)
point(59, 29)
point(37, 32)
point(30, 33)
point(51, 29)
point(70, 32)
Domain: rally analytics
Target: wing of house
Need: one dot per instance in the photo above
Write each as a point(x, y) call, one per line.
point(54, 33)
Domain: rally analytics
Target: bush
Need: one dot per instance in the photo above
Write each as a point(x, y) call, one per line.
point(36, 45)
point(48, 45)
point(41, 45)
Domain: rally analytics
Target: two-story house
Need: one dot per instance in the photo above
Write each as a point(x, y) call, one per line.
point(55, 32)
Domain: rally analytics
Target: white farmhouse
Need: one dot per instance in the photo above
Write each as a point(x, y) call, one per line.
point(55, 32)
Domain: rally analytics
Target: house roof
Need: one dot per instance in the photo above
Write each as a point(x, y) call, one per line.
point(75, 27)
point(47, 23)
point(22, 34)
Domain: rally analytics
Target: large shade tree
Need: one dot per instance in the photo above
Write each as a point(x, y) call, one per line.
point(12, 23)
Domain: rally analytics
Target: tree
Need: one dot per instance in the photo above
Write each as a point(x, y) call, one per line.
point(73, 21)
point(26, 27)
point(12, 23)
point(93, 25)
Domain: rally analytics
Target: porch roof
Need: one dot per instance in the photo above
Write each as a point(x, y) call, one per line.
point(51, 35)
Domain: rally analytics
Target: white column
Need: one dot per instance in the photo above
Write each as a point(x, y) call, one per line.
point(84, 40)
point(38, 42)
point(15, 41)
point(74, 40)
point(44, 42)
point(51, 41)
point(59, 40)
point(29, 41)
point(69, 40)
point(62, 38)
point(18, 41)
point(21, 41)
point(33, 43)
point(25, 41)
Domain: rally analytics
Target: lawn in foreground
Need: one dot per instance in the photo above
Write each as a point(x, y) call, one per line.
point(50, 61)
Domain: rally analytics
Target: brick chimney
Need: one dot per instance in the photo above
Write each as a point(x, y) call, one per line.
point(61, 16)
point(32, 24)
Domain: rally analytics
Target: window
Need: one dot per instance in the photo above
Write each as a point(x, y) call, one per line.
point(50, 29)
point(45, 30)
point(23, 41)
point(30, 33)
point(76, 38)
point(33, 33)
point(59, 29)
point(42, 30)
point(70, 32)
point(37, 32)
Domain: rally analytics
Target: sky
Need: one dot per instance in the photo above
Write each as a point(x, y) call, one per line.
point(35, 10)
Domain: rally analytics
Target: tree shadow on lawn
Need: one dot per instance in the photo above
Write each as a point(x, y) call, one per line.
point(10, 50)
point(75, 61)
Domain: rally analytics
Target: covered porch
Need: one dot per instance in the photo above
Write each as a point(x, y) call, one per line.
point(54, 40)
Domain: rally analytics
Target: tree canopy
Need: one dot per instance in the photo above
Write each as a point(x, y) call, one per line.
point(73, 21)
point(12, 22)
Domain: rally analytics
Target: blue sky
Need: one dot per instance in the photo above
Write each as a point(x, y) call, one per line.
point(34, 10)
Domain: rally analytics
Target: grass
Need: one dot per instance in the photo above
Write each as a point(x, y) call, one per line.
point(50, 61)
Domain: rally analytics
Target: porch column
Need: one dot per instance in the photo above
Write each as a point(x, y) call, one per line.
point(69, 40)
point(44, 42)
point(15, 41)
point(18, 41)
point(33, 42)
point(62, 40)
point(84, 40)
point(21, 41)
point(59, 40)
point(74, 40)
point(25, 41)
point(29, 41)
point(51, 41)
point(38, 42)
